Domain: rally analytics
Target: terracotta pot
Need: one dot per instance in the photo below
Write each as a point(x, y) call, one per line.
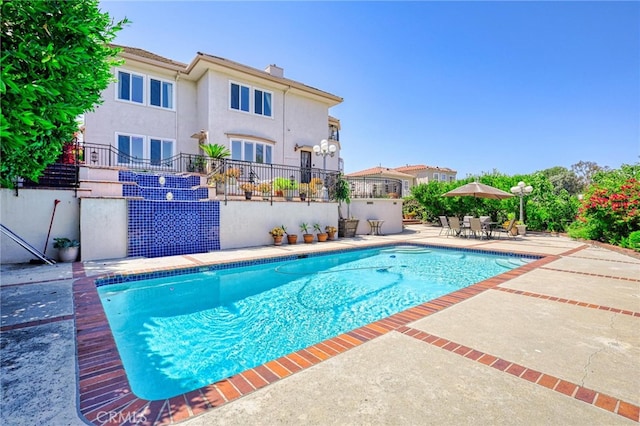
point(331, 236)
point(322, 237)
point(277, 240)
point(292, 238)
point(308, 238)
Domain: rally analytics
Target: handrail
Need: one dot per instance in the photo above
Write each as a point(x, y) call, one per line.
point(15, 237)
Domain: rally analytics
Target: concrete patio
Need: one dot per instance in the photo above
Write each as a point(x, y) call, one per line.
point(555, 344)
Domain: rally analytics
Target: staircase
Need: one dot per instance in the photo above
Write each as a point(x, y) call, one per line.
point(56, 175)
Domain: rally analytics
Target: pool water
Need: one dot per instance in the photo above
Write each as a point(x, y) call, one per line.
point(179, 333)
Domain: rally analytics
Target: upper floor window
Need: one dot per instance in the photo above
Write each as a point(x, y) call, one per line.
point(240, 99)
point(436, 177)
point(161, 93)
point(262, 102)
point(130, 87)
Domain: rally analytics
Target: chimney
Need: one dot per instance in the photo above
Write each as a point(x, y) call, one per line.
point(275, 70)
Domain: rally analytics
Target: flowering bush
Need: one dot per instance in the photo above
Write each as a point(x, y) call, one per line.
point(247, 187)
point(610, 210)
point(330, 229)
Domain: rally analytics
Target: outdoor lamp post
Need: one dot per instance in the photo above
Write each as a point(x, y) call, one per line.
point(324, 149)
point(521, 190)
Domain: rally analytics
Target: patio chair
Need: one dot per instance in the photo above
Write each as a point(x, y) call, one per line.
point(476, 228)
point(445, 226)
point(454, 224)
point(506, 229)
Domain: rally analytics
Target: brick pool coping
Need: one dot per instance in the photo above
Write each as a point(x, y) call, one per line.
point(105, 396)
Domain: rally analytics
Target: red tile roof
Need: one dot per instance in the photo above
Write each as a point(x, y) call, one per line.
point(378, 171)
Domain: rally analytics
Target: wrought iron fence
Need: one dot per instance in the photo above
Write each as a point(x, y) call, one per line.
point(234, 177)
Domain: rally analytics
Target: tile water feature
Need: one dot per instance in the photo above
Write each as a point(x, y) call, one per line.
point(170, 215)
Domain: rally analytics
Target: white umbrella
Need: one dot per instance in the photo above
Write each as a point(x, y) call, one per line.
point(478, 190)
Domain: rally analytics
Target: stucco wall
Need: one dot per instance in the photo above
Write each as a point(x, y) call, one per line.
point(29, 216)
point(246, 224)
point(387, 209)
point(103, 226)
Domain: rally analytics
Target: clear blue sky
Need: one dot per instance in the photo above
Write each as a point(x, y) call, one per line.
point(473, 86)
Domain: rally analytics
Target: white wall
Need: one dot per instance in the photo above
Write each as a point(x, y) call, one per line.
point(247, 223)
point(387, 209)
point(29, 216)
point(103, 226)
point(101, 223)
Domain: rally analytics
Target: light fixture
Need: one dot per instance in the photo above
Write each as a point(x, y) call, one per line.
point(94, 156)
point(522, 190)
point(325, 149)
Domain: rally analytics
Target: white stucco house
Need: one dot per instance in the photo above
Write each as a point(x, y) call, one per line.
point(410, 175)
point(159, 108)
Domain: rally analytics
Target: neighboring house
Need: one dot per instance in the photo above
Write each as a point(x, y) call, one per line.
point(409, 175)
point(426, 174)
point(159, 108)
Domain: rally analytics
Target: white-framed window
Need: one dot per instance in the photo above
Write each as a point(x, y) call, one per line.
point(436, 177)
point(241, 99)
point(451, 178)
point(138, 149)
point(246, 150)
point(262, 102)
point(130, 148)
point(160, 150)
point(160, 93)
point(443, 177)
point(130, 87)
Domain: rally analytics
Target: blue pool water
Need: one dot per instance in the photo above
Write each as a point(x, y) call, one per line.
point(179, 333)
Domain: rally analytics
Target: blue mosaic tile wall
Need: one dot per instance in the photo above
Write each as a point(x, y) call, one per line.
point(167, 228)
point(159, 226)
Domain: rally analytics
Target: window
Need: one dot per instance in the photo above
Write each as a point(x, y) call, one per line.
point(131, 149)
point(239, 97)
point(141, 149)
point(436, 177)
point(161, 93)
point(251, 151)
point(161, 149)
point(130, 87)
point(262, 105)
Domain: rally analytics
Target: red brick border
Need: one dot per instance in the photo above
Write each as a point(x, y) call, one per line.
point(590, 396)
point(105, 396)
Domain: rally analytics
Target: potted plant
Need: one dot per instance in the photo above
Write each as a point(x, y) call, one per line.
point(232, 175)
point(346, 227)
point(248, 189)
point(277, 233)
point(215, 152)
point(331, 232)
point(285, 186)
point(308, 238)
point(291, 238)
point(67, 249)
point(265, 189)
point(322, 236)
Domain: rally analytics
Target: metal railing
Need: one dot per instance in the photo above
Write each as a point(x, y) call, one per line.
point(235, 178)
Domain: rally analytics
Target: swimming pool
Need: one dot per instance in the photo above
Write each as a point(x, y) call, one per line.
point(181, 332)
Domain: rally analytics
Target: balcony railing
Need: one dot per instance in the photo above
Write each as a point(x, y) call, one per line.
point(233, 177)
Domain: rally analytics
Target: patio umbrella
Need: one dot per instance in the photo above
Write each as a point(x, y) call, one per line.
point(478, 190)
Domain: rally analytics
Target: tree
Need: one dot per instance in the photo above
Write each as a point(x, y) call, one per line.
point(562, 178)
point(55, 61)
point(584, 171)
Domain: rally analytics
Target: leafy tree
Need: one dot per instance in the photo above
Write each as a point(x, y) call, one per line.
point(584, 171)
point(55, 62)
point(562, 178)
